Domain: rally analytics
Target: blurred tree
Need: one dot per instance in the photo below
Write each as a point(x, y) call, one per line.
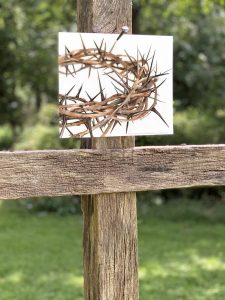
point(198, 28)
point(28, 48)
point(11, 103)
point(28, 42)
point(41, 22)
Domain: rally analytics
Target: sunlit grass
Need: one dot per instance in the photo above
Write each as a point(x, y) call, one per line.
point(40, 256)
point(181, 252)
point(182, 255)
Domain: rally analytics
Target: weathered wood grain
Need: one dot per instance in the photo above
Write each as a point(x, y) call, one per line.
point(110, 239)
point(110, 220)
point(110, 242)
point(103, 16)
point(94, 171)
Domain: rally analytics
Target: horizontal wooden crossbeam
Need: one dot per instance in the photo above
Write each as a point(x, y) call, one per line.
point(72, 172)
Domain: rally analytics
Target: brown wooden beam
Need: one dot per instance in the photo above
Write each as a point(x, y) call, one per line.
point(110, 220)
point(110, 239)
point(94, 171)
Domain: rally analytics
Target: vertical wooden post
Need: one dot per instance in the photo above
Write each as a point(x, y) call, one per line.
point(110, 220)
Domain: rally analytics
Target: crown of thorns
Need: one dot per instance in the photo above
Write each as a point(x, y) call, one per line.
point(134, 81)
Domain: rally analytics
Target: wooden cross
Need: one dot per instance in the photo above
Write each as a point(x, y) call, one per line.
point(107, 173)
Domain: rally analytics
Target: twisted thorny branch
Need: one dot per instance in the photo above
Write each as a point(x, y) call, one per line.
point(134, 80)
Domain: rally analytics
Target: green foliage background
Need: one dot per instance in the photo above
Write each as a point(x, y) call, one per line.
point(28, 68)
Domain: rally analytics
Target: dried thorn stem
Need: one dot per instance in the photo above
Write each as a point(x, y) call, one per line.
point(134, 81)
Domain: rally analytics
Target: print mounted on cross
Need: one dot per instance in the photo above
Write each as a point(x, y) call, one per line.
point(110, 86)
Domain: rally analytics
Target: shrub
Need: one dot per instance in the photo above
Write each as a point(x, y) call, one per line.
point(6, 137)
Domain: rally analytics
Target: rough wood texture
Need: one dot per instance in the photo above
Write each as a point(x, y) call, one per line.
point(110, 220)
point(110, 244)
point(93, 171)
point(103, 16)
point(110, 238)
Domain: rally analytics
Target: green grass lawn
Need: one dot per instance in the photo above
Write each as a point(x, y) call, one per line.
point(181, 252)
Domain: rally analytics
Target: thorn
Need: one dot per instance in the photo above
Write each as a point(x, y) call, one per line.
point(99, 50)
point(101, 44)
point(66, 67)
point(70, 132)
point(159, 115)
point(156, 68)
point(143, 62)
point(124, 82)
point(155, 88)
point(88, 96)
point(104, 52)
point(116, 81)
point(148, 53)
point(65, 52)
point(130, 58)
point(68, 71)
point(114, 125)
point(79, 91)
point(157, 100)
point(139, 52)
point(89, 72)
point(68, 51)
point(85, 50)
point(137, 60)
point(109, 72)
point(70, 90)
point(74, 70)
point(127, 79)
point(127, 126)
point(97, 120)
point(62, 131)
point(117, 89)
point(150, 71)
point(92, 99)
point(160, 74)
point(101, 89)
